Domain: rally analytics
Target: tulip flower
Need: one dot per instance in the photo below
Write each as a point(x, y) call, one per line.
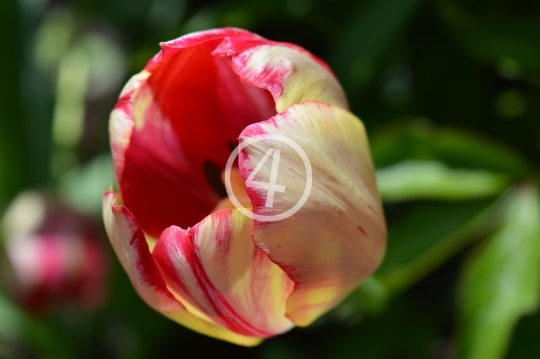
point(55, 254)
point(190, 251)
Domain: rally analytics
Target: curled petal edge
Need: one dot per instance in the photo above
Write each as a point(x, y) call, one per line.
point(131, 247)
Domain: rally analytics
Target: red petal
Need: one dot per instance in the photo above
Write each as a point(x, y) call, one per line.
point(159, 184)
point(210, 39)
point(188, 115)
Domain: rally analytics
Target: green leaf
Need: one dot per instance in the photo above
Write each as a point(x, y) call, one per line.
point(464, 149)
point(10, 318)
point(410, 180)
point(402, 140)
point(429, 234)
point(418, 139)
point(83, 187)
point(501, 281)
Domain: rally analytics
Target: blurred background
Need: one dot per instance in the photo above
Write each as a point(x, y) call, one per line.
point(449, 91)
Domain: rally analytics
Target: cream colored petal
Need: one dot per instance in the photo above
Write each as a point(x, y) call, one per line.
point(337, 238)
point(121, 121)
point(290, 73)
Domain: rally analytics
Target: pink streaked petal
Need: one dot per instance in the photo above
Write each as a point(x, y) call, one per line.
point(337, 238)
point(130, 246)
point(121, 122)
point(290, 73)
point(220, 275)
point(233, 45)
point(134, 83)
point(120, 128)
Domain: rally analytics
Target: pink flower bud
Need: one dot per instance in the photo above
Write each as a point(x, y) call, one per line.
point(56, 255)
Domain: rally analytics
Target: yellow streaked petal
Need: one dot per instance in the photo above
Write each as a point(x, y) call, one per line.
point(130, 246)
point(337, 238)
point(192, 322)
point(219, 275)
point(291, 74)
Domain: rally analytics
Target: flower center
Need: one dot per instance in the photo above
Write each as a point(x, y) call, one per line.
point(239, 190)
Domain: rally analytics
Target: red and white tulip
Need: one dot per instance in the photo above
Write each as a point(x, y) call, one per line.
point(188, 251)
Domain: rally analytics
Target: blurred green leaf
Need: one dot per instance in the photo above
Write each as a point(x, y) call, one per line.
point(371, 297)
point(83, 187)
point(410, 180)
point(402, 140)
point(427, 235)
point(10, 318)
point(495, 38)
point(501, 281)
point(418, 139)
point(464, 149)
point(372, 294)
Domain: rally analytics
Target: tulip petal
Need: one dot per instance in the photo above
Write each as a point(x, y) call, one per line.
point(210, 38)
point(337, 238)
point(130, 246)
point(202, 97)
point(218, 273)
point(153, 155)
point(159, 183)
point(121, 123)
point(177, 129)
point(290, 73)
point(241, 105)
